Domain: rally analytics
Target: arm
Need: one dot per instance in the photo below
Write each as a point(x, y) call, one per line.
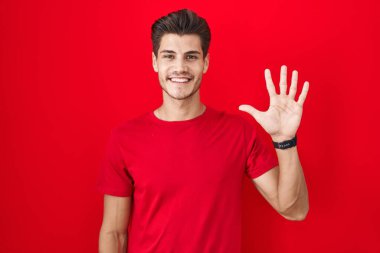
point(284, 187)
point(113, 232)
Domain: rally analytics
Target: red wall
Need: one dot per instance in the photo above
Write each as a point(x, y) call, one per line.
point(72, 70)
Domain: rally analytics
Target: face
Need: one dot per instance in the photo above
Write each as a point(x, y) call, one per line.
point(180, 65)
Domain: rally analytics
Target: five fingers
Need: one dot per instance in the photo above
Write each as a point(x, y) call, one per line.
point(283, 85)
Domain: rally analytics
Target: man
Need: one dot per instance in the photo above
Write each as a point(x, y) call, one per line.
point(172, 178)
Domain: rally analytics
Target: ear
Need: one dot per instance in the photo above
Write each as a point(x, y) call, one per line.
point(207, 60)
point(154, 62)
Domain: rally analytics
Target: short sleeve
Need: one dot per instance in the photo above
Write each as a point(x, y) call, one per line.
point(261, 155)
point(114, 178)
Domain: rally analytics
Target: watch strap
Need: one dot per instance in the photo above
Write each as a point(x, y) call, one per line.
point(285, 144)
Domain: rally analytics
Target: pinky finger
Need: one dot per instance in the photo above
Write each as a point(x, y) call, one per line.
point(302, 97)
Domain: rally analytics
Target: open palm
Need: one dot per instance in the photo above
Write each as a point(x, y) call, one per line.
point(283, 117)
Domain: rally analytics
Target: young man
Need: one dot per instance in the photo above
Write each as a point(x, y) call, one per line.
point(174, 176)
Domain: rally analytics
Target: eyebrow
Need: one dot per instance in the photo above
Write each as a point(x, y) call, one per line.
point(172, 52)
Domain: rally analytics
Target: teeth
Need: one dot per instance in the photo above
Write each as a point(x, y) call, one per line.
point(180, 80)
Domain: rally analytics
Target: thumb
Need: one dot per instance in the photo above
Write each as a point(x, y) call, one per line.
point(251, 110)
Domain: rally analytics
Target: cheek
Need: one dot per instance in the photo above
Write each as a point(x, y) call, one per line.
point(198, 70)
point(163, 68)
point(162, 71)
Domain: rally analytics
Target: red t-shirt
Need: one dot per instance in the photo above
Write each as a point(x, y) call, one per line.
point(185, 179)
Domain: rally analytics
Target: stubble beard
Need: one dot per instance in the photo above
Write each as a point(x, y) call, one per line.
point(182, 97)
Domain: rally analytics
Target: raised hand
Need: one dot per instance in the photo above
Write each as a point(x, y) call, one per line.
point(283, 116)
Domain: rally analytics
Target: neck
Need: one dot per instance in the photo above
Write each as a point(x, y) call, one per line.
point(178, 110)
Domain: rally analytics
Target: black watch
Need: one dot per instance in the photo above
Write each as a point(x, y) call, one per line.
point(286, 144)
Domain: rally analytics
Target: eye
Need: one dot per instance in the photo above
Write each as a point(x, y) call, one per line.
point(169, 56)
point(191, 57)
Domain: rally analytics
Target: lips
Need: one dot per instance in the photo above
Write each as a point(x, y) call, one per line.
point(180, 79)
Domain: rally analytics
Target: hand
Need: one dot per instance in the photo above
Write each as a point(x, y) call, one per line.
point(283, 116)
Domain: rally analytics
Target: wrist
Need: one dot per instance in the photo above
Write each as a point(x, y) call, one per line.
point(281, 138)
point(285, 144)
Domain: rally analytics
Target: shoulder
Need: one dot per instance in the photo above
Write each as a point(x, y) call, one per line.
point(235, 123)
point(235, 119)
point(130, 126)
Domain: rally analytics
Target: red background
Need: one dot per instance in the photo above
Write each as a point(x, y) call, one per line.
point(71, 70)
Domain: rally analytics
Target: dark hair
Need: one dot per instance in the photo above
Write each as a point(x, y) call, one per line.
point(181, 22)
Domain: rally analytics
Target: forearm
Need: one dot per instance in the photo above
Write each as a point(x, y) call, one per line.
point(293, 199)
point(111, 242)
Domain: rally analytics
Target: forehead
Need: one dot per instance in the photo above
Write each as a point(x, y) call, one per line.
point(180, 43)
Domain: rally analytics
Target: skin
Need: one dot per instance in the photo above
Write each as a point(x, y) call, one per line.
point(113, 232)
point(283, 186)
point(180, 56)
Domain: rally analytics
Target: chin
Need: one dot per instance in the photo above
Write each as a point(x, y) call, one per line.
point(180, 95)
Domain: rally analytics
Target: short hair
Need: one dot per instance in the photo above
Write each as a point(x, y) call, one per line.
point(181, 22)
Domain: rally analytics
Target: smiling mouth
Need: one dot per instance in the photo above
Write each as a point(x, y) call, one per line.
point(180, 79)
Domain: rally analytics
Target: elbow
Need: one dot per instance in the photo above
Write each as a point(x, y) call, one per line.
point(109, 239)
point(300, 217)
point(119, 234)
point(295, 215)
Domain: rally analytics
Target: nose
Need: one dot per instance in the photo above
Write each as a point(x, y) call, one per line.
point(180, 65)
